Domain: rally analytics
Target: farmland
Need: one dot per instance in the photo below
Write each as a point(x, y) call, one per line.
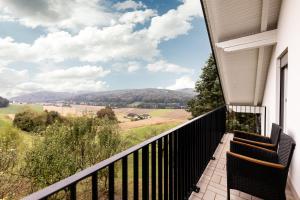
point(158, 116)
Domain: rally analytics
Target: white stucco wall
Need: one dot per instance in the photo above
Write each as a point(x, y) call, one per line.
point(288, 37)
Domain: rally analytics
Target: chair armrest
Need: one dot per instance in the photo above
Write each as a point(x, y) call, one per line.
point(251, 136)
point(261, 163)
point(253, 151)
point(256, 143)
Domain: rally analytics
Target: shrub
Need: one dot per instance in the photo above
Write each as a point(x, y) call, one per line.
point(53, 117)
point(3, 102)
point(70, 147)
point(9, 142)
point(108, 113)
point(31, 121)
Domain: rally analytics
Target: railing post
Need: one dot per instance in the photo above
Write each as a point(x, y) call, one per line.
point(95, 186)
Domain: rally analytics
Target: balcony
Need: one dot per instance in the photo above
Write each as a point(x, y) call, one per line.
point(212, 183)
point(187, 162)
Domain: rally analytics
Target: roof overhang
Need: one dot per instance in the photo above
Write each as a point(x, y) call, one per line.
point(242, 35)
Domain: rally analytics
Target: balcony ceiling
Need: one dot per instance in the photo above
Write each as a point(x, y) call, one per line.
point(243, 34)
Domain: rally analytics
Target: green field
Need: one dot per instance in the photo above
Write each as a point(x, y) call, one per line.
point(13, 109)
point(140, 134)
point(160, 112)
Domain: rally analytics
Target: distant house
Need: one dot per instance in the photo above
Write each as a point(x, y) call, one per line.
point(136, 117)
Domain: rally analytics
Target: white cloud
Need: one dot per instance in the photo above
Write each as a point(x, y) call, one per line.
point(138, 16)
point(130, 66)
point(74, 79)
point(70, 14)
point(175, 22)
point(181, 83)
point(86, 71)
point(129, 4)
point(9, 79)
point(133, 66)
point(75, 85)
point(90, 44)
point(11, 51)
point(163, 66)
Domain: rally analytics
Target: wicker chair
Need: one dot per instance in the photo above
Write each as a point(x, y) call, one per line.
point(259, 140)
point(258, 171)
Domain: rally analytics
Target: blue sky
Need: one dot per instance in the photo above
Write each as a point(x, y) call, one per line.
point(96, 45)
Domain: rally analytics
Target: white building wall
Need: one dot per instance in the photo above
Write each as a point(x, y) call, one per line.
point(288, 38)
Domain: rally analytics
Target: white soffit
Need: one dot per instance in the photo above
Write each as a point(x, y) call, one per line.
point(243, 33)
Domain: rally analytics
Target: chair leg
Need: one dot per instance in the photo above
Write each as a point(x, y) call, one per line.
point(228, 193)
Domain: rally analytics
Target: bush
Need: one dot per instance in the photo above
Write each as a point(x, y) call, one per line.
point(53, 117)
point(9, 142)
point(108, 113)
point(3, 102)
point(31, 121)
point(70, 147)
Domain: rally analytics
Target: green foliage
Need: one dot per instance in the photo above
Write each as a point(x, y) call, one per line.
point(248, 122)
point(9, 142)
point(70, 147)
point(107, 112)
point(32, 121)
point(3, 102)
point(209, 88)
point(53, 117)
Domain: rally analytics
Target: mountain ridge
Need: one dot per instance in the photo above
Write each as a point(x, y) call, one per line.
point(126, 97)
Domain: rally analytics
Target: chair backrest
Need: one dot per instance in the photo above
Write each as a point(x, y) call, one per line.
point(275, 133)
point(286, 149)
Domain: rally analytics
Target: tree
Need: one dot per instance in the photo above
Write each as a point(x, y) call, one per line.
point(209, 90)
point(3, 102)
point(108, 113)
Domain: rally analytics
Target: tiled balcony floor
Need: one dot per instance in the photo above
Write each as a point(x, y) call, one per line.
point(213, 181)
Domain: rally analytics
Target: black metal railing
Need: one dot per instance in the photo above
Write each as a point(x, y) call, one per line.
point(246, 118)
point(170, 166)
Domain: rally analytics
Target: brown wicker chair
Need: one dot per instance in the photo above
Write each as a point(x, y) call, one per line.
point(258, 171)
point(259, 140)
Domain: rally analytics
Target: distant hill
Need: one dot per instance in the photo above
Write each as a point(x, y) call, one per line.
point(146, 98)
point(45, 97)
point(190, 91)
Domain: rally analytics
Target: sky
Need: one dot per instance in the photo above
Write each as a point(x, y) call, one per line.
point(96, 45)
